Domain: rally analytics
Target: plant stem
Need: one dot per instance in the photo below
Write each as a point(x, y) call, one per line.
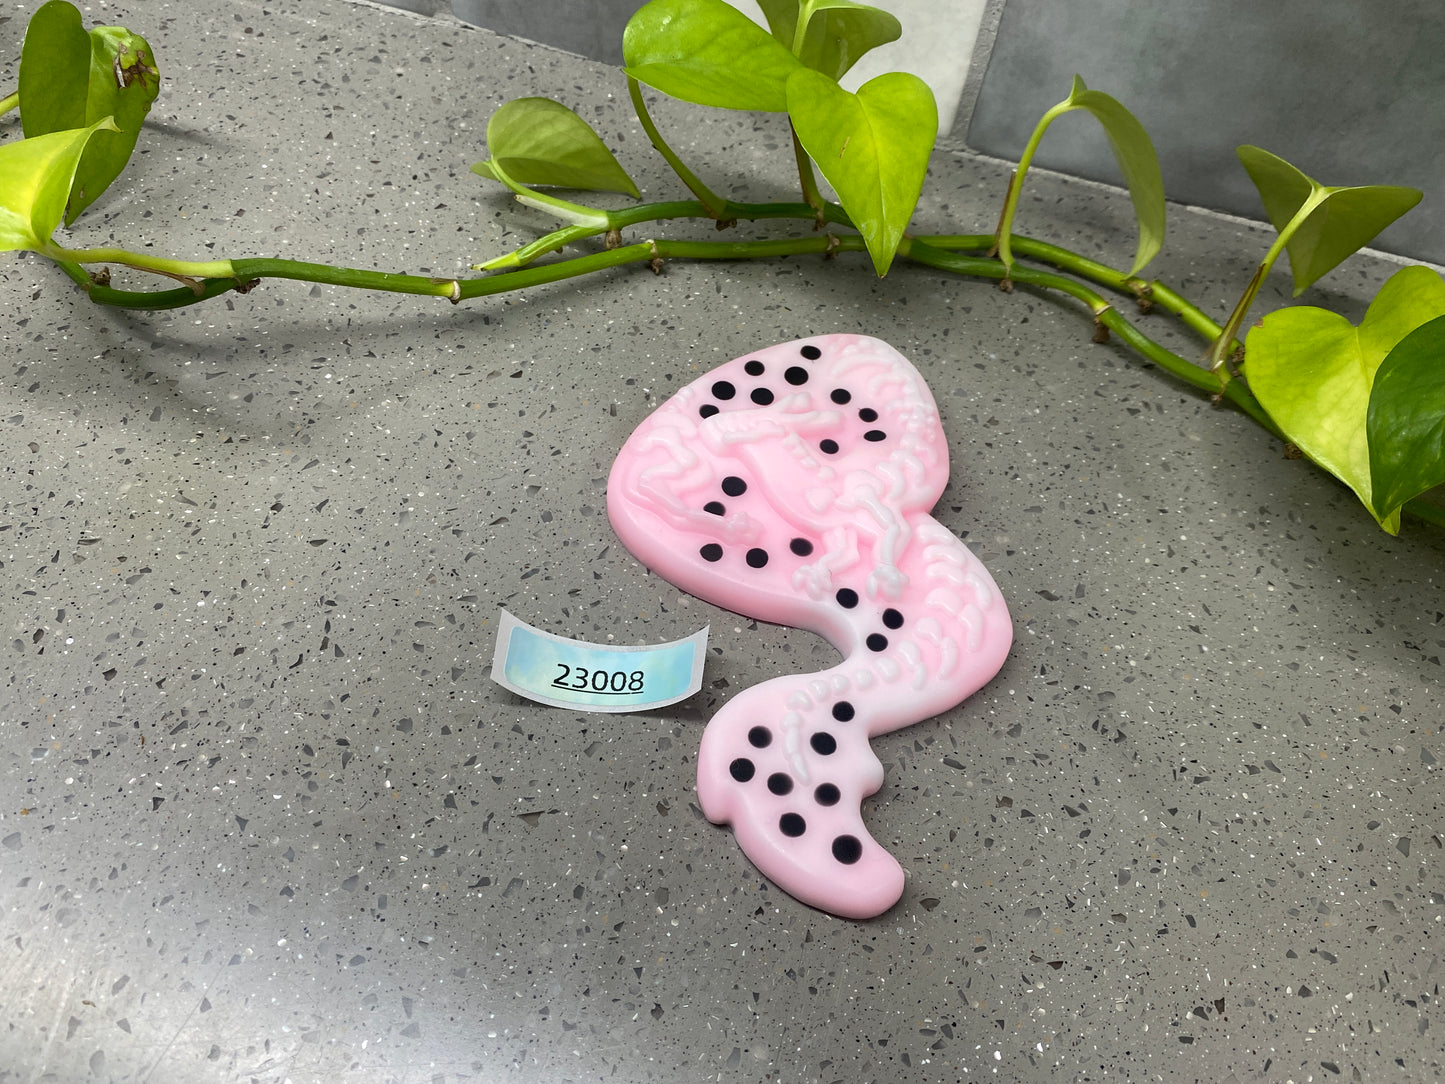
point(225, 275)
point(983, 267)
point(807, 180)
point(575, 213)
point(9, 103)
point(656, 212)
point(713, 205)
point(245, 273)
point(1016, 183)
point(1223, 346)
point(806, 177)
point(159, 265)
point(1159, 294)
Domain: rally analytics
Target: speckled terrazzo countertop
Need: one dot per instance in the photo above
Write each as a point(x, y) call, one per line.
point(266, 817)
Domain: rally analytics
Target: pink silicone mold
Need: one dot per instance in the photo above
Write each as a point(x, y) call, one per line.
point(794, 485)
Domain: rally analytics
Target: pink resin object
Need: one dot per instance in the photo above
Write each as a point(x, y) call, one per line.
point(794, 485)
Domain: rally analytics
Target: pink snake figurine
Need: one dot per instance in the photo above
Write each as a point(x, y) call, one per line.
point(794, 485)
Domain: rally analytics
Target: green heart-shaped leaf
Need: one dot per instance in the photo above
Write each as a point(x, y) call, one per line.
point(124, 81)
point(1336, 221)
point(70, 79)
point(1312, 370)
point(706, 51)
point(872, 146)
point(1406, 422)
point(35, 180)
point(839, 32)
point(1134, 151)
point(539, 141)
point(54, 72)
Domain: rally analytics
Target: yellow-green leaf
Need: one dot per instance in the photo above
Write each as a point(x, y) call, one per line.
point(1313, 371)
point(542, 142)
point(1134, 152)
point(872, 146)
point(708, 52)
point(838, 34)
point(35, 176)
point(70, 79)
point(1337, 221)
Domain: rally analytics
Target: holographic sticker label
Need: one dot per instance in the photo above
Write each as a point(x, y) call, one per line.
point(565, 673)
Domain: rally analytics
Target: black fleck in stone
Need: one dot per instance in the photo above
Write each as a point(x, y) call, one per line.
point(741, 769)
point(717, 508)
point(892, 618)
point(790, 824)
point(843, 711)
point(841, 396)
point(812, 353)
point(868, 414)
point(734, 486)
point(707, 410)
point(847, 849)
point(795, 375)
point(757, 558)
point(875, 435)
point(761, 396)
point(801, 546)
point(723, 389)
point(823, 743)
point(780, 783)
point(711, 552)
point(760, 737)
point(827, 794)
point(847, 597)
point(829, 446)
point(753, 368)
point(876, 641)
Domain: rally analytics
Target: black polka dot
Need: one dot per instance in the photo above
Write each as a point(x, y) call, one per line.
point(790, 824)
point(723, 390)
point(801, 546)
point(717, 508)
point(876, 641)
point(828, 446)
point(827, 794)
point(734, 486)
point(741, 769)
point(868, 414)
point(812, 353)
point(760, 737)
point(796, 374)
point(892, 618)
point(875, 435)
point(843, 711)
point(757, 558)
point(707, 410)
point(847, 597)
point(841, 396)
point(847, 849)
point(711, 552)
point(753, 368)
point(761, 396)
point(823, 743)
point(779, 783)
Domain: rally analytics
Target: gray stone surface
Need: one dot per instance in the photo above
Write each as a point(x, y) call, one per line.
point(266, 818)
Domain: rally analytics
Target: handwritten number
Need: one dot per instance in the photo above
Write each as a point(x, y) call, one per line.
point(581, 679)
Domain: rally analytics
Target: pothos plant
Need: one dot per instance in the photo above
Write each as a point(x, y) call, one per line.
point(1367, 402)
